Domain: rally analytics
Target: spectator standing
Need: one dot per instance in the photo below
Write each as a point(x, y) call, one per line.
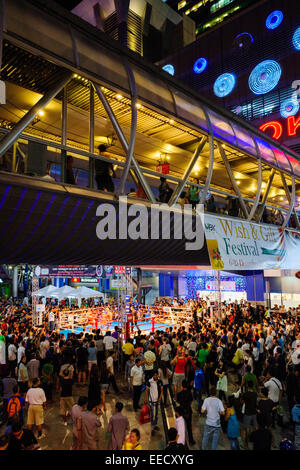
point(185, 399)
point(76, 415)
point(214, 408)
point(117, 426)
point(66, 396)
point(90, 424)
point(136, 381)
point(154, 391)
point(36, 400)
point(110, 368)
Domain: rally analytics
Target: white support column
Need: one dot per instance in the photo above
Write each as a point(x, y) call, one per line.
point(15, 281)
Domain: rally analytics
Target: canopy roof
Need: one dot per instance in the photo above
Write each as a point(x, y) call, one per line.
point(45, 291)
point(85, 292)
point(72, 43)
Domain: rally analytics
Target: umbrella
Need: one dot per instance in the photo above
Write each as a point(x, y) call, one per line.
point(45, 291)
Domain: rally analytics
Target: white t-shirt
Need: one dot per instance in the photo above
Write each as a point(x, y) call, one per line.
point(35, 396)
point(110, 365)
point(108, 342)
point(21, 353)
point(261, 345)
point(295, 355)
point(274, 386)
point(213, 405)
point(12, 352)
point(137, 374)
point(180, 426)
point(51, 316)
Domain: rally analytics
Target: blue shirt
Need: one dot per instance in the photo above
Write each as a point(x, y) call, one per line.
point(296, 415)
point(199, 379)
point(92, 354)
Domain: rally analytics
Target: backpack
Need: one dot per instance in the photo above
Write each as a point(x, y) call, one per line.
point(14, 407)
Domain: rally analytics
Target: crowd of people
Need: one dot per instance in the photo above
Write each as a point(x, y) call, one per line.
point(238, 370)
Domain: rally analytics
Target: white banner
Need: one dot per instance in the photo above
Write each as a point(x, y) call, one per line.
point(236, 244)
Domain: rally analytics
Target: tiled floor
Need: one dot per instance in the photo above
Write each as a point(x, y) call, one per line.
point(59, 437)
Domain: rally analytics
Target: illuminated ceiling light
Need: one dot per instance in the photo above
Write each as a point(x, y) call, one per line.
point(41, 113)
point(168, 157)
point(138, 105)
point(289, 107)
point(223, 145)
point(171, 121)
point(75, 75)
point(264, 77)
point(224, 85)
point(119, 97)
point(296, 39)
point(274, 19)
point(200, 65)
point(238, 182)
point(169, 68)
point(281, 198)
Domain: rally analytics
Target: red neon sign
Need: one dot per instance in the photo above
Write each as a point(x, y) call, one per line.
point(276, 126)
point(293, 125)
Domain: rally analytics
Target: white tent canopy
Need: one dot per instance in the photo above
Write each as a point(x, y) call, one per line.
point(86, 293)
point(63, 292)
point(45, 291)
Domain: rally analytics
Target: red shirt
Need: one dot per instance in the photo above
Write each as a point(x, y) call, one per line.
point(180, 366)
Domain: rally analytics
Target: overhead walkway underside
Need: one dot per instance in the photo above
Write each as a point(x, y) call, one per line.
point(47, 223)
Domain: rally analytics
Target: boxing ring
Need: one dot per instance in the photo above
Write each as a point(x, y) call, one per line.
point(147, 319)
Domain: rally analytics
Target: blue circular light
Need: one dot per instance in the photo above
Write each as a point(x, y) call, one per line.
point(274, 19)
point(264, 77)
point(200, 65)
point(169, 68)
point(245, 34)
point(296, 39)
point(224, 85)
point(289, 107)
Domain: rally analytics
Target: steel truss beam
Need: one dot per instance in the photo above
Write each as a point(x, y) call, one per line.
point(124, 144)
point(181, 185)
point(265, 196)
point(133, 127)
point(232, 179)
point(258, 192)
point(211, 159)
point(291, 199)
point(92, 136)
point(9, 139)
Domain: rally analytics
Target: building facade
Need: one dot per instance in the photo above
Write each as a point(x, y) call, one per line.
point(250, 65)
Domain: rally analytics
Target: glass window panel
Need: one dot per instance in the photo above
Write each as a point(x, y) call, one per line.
point(244, 139)
point(295, 165)
point(186, 109)
point(281, 159)
point(265, 151)
point(221, 127)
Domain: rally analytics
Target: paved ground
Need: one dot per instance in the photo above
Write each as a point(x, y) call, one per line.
point(59, 437)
